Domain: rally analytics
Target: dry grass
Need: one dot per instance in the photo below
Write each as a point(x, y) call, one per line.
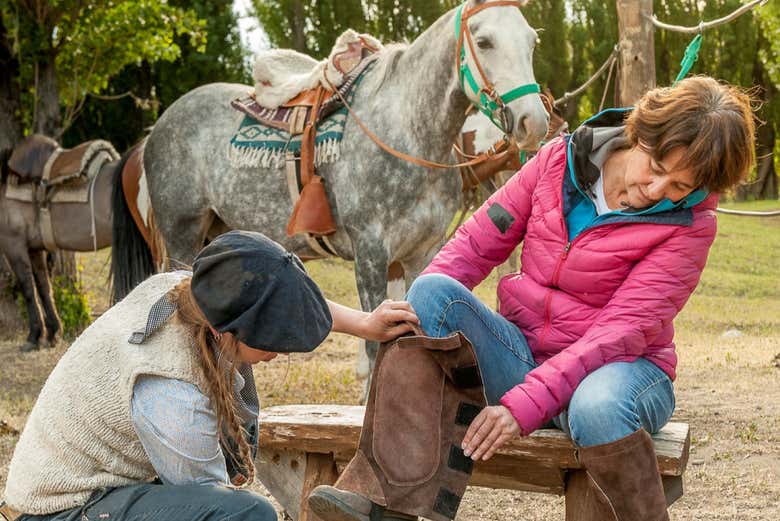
point(727, 390)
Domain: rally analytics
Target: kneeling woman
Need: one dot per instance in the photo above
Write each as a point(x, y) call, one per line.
point(161, 386)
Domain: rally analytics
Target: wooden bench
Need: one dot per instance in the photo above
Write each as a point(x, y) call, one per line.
point(302, 446)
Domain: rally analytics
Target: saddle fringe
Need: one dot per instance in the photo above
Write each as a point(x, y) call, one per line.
point(327, 151)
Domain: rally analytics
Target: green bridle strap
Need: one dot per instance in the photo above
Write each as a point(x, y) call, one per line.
point(486, 105)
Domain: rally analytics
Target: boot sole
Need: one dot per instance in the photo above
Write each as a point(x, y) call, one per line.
point(330, 508)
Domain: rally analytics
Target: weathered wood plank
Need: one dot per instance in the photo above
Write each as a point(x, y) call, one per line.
point(282, 472)
point(336, 429)
point(320, 470)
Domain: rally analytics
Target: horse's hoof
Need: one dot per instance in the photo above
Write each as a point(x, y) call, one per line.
point(29, 346)
point(51, 343)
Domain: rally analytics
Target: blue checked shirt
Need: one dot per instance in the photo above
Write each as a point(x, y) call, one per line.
point(178, 430)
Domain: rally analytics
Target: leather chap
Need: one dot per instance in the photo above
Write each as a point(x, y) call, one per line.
point(424, 394)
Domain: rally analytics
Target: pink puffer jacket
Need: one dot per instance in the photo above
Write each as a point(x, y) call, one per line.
point(610, 295)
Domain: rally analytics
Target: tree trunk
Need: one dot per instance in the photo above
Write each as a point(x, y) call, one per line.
point(48, 120)
point(297, 25)
point(10, 134)
point(10, 95)
point(765, 184)
point(636, 66)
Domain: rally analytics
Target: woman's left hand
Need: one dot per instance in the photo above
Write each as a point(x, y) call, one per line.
point(492, 427)
point(391, 319)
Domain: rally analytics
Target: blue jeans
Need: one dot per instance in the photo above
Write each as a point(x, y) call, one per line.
point(152, 502)
point(610, 403)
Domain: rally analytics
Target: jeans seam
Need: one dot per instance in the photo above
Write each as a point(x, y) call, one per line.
point(660, 380)
point(487, 326)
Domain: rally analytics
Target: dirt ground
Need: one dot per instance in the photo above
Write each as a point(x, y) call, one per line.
point(731, 401)
point(728, 385)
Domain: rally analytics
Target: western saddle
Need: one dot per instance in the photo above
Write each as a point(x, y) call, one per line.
point(300, 115)
point(40, 168)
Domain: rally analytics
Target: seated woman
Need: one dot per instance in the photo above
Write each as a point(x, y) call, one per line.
point(616, 221)
point(161, 386)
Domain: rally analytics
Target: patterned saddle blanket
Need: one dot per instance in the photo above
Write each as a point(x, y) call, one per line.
point(266, 134)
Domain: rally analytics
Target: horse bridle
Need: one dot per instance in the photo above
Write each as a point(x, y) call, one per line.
point(491, 103)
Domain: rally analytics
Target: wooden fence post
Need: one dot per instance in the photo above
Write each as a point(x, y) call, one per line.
point(636, 65)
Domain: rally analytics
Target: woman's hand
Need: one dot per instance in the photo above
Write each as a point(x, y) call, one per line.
point(388, 321)
point(391, 319)
point(492, 427)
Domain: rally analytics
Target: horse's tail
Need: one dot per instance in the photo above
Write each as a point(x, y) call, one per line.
point(132, 259)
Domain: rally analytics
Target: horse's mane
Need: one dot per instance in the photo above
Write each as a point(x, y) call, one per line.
point(387, 62)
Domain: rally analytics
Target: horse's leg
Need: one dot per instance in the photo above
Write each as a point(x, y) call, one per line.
point(184, 236)
point(396, 290)
point(371, 265)
point(414, 266)
point(19, 260)
point(42, 282)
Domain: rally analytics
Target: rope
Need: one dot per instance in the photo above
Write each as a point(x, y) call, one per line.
point(606, 85)
point(772, 213)
point(93, 231)
point(579, 90)
point(708, 25)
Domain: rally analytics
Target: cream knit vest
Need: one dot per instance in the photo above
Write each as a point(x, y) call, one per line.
point(80, 436)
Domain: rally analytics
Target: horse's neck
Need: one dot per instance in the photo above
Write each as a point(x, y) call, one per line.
point(433, 106)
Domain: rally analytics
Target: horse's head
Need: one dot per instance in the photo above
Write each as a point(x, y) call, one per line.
point(496, 47)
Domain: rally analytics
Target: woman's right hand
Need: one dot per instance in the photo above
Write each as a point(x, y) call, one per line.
point(391, 319)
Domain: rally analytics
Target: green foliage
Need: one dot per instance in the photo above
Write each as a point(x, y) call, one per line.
point(122, 121)
point(90, 42)
point(71, 302)
point(551, 58)
point(769, 19)
point(738, 288)
point(102, 39)
point(311, 26)
point(72, 306)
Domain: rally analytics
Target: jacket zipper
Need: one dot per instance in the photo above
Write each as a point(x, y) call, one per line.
point(557, 274)
point(548, 298)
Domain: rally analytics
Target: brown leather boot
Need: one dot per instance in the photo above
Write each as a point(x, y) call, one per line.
point(625, 481)
point(424, 394)
point(332, 504)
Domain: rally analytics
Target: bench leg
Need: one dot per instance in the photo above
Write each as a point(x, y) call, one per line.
point(290, 475)
point(320, 470)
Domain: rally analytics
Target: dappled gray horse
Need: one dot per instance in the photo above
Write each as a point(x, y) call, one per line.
point(386, 210)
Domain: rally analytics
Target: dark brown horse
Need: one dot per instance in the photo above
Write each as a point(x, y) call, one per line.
point(50, 199)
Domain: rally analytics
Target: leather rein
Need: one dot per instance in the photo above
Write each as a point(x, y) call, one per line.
point(491, 103)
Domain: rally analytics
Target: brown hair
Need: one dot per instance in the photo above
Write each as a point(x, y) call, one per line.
point(713, 120)
point(219, 380)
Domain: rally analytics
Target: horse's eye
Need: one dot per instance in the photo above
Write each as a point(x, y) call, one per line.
point(484, 43)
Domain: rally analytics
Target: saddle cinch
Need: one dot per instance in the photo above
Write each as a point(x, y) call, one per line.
point(293, 94)
point(43, 174)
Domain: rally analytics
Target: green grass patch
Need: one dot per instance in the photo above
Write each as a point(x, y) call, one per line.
point(740, 287)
